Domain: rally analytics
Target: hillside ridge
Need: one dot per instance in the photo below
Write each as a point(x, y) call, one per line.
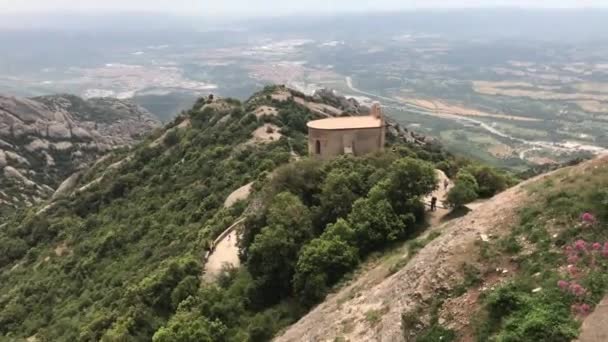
point(44, 140)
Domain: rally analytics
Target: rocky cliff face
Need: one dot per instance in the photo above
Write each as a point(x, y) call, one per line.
point(46, 139)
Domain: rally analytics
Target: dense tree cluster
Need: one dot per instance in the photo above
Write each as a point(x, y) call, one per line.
point(328, 216)
point(477, 181)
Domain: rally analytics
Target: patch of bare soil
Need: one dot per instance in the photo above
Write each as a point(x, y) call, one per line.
point(501, 151)
point(542, 161)
point(538, 93)
point(436, 268)
point(593, 106)
point(219, 106)
point(319, 108)
point(442, 107)
point(592, 87)
point(265, 111)
point(62, 250)
point(185, 124)
point(266, 134)
point(281, 95)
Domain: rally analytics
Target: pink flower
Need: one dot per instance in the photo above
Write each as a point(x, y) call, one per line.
point(588, 218)
point(577, 290)
point(562, 284)
point(580, 245)
point(573, 270)
point(580, 309)
point(573, 259)
point(597, 246)
point(605, 250)
point(569, 249)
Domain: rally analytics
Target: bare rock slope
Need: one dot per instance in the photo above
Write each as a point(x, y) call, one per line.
point(46, 139)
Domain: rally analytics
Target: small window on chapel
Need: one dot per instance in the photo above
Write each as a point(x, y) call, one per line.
point(318, 147)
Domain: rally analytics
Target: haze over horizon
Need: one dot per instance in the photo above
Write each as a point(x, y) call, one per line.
point(275, 7)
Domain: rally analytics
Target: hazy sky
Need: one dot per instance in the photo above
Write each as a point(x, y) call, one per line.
point(273, 7)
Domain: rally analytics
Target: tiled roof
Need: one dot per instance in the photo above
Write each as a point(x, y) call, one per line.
point(346, 122)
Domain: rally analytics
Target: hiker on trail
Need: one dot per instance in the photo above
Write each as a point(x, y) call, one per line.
point(433, 203)
point(446, 183)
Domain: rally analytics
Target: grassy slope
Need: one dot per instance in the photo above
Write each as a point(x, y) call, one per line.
point(547, 244)
point(552, 244)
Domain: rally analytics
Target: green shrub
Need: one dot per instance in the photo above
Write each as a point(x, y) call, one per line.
point(436, 333)
point(321, 263)
point(191, 328)
point(461, 194)
point(489, 180)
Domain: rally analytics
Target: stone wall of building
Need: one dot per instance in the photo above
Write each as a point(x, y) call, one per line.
point(326, 144)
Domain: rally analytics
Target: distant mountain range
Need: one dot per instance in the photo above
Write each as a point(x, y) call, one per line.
point(46, 139)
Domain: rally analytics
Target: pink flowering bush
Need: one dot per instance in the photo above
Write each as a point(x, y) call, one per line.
point(588, 219)
point(573, 271)
point(563, 285)
point(585, 260)
point(577, 289)
point(578, 277)
point(580, 245)
point(573, 259)
point(605, 250)
point(581, 309)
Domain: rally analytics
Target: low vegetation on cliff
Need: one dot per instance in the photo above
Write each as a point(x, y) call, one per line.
point(538, 278)
point(560, 249)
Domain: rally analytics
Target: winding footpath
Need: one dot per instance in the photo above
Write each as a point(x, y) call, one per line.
point(224, 253)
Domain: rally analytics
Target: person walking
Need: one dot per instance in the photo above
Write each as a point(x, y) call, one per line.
point(433, 203)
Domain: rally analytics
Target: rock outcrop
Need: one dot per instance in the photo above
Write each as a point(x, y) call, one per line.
point(45, 140)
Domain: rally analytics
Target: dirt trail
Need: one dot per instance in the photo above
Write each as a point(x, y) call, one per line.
point(370, 309)
point(435, 217)
point(595, 327)
point(239, 194)
point(225, 252)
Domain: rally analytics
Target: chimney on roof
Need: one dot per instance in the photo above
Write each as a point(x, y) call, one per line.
point(377, 111)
